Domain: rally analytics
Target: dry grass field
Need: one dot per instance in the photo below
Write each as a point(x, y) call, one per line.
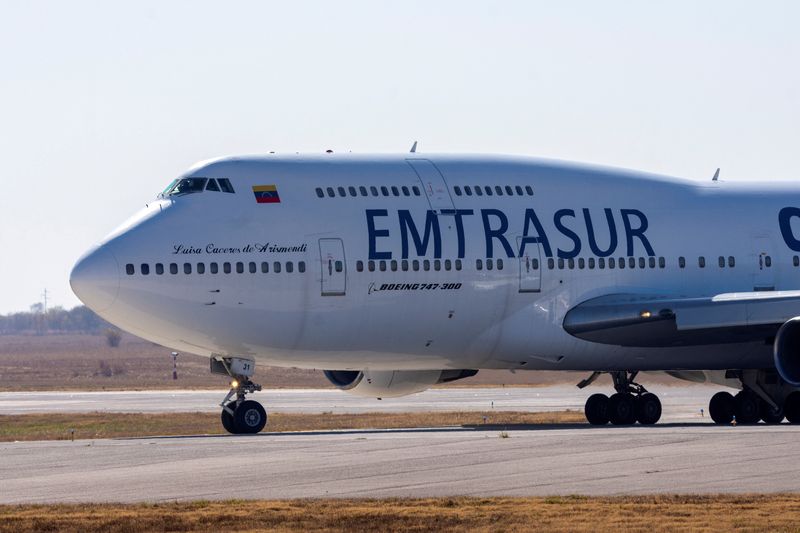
point(111, 425)
point(666, 513)
point(86, 362)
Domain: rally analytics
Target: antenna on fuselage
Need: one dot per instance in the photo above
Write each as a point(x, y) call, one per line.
point(716, 176)
point(414, 148)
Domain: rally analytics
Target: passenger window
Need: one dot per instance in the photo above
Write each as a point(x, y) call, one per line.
point(682, 262)
point(213, 268)
point(415, 265)
point(252, 267)
point(457, 190)
point(201, 268)
point(581, 263)
point(240, 267)
point(415, 190)
point(144, 268)
point(384, 191)
point(571, 264)
point(225, 185)
point(359, 266)
point(560, 264)
point(611, 263)
point(212, 185)
point(159, 268)
point(393, 265)
point(341, 191)
point(551, 264)
point(320, 194)
point(489, 264)
point(405, 190)
point(721, 262)
point(478, 191)
point(371, 266)
point(478, 264)
point(395, 191)
point(373, 190)
point(331, 194)
point(488, 190)
point(519, 190)
point(509, 190)
point(499, 264)
point(382, 266)
point(498, 190)
point(301, 266)
point(529, 190)
point(173, 268)
point(535, 264)
point(362, 190)
point(437, 264)
point(226, 267)
point(447, 264)
point(404, 265)
point(352, 191)
point(632, 262)
point(264, 267)
point(468, 190)
point(187, 268)
point(289, 267)
point(601, 263)
point(621, 262)
point(662, 262)
point(731, 261)
point(642, 262)
point(426, 265)
point(701, 262)
point(276, 267)
point(591, 263)
point(768, 261)
point(652, 261)
point(458, 264)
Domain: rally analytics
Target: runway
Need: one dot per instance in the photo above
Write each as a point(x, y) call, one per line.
point(690, 458)
point(680, 403)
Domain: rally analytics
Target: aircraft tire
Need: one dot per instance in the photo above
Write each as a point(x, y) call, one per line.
point(622, 409)
point(791, 407)
point(648, 409)
point(747, 407)
point(596, 409)
point(722, 408)
point(768, 414)
point(227, 419)
point(250, 417)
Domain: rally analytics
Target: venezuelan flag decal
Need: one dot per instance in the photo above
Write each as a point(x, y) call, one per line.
point(266, 194)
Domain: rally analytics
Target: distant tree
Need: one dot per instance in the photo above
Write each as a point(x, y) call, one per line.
point(79, 319)
point(113, 337)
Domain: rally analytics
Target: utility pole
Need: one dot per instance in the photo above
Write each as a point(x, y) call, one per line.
point(174, 365)
point(44, 295)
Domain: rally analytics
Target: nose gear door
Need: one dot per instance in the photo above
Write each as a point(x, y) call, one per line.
point(333, 266)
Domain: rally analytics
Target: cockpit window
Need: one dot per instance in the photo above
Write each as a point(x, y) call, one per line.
point(190, 185)
point(186, 186)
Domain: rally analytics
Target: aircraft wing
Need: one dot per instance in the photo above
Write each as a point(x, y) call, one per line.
point(662, 321)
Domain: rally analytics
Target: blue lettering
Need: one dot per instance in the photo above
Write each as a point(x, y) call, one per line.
point(492, 234)
point(374, 234)
point(785, 221)
point(612, 232)
point(458, 213)
point(631, 232)
point(431, 227)
point(576, 248)
point(541, 236)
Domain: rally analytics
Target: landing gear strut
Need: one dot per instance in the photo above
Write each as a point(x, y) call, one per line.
point(630, 404)
point(239, 415)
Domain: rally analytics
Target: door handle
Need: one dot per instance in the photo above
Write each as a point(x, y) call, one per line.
point(330, 267)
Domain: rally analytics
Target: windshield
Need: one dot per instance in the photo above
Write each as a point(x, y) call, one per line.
point(185, 186)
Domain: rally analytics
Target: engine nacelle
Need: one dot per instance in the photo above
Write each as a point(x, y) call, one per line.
point(787, 351)
point(392, 383)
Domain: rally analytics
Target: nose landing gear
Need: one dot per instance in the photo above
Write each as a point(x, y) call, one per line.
point(239, 416)
point(631, 403)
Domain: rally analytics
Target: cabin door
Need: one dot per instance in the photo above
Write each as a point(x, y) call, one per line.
point(433, 185)
point(761, 263)
point(530, 266)
point(334, 267)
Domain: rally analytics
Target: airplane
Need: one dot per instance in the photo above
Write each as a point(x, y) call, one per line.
point(399, 272)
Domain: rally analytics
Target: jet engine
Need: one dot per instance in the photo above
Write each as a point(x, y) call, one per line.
point(392, 383)
point(787, 351)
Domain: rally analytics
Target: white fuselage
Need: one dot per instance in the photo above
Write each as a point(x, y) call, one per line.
point(391, 270)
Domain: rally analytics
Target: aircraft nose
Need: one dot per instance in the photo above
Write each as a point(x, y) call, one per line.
point(95, 279)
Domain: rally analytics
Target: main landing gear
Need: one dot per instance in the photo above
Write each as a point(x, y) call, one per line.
point(630, 404)
point(239, 415)
point(764, 397)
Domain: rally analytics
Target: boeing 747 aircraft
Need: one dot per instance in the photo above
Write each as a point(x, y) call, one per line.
point(400, 272)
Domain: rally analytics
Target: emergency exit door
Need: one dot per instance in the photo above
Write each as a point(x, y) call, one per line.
point(334, 267)
point(530, 267)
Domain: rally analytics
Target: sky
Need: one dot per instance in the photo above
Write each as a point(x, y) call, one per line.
point(103, 103)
